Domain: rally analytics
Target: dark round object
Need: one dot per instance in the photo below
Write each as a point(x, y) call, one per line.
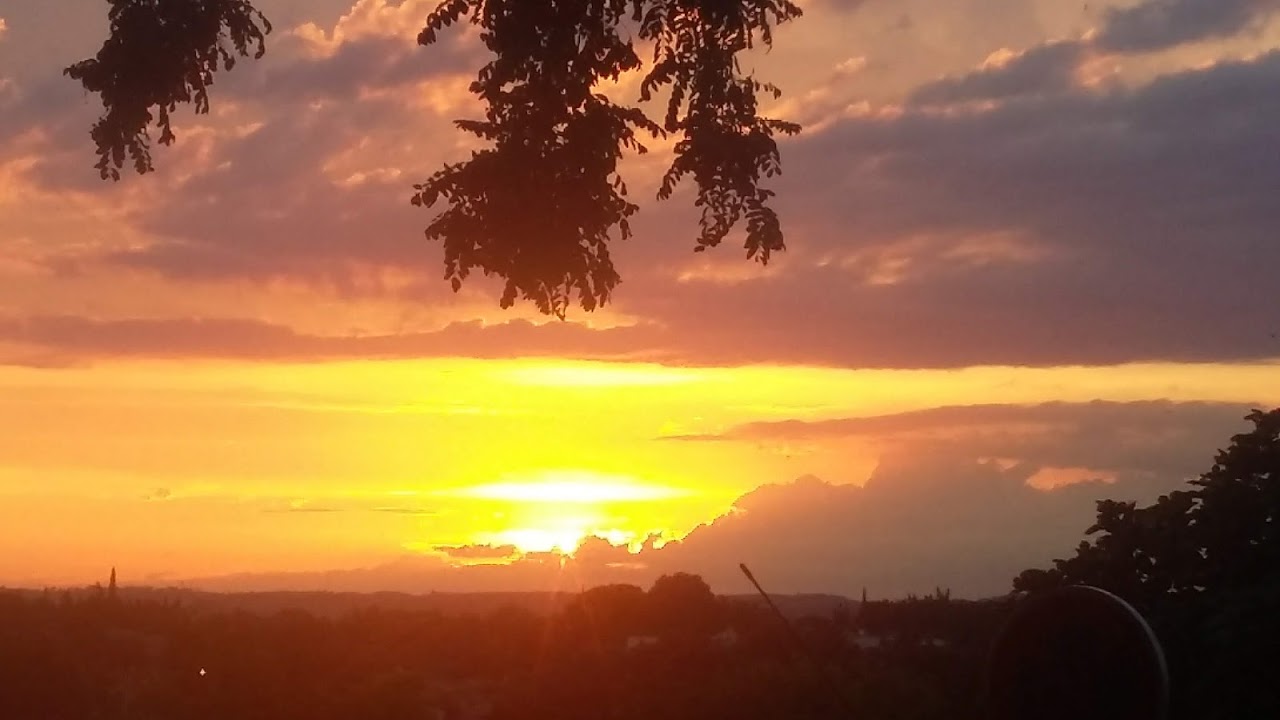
point(1080, 653)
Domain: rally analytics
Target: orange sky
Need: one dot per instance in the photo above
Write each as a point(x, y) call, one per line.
point(246, 361)
point(198, 469)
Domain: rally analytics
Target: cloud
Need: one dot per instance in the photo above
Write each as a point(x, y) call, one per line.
point(1050, 224)
point(1160, 412)
point(302, 171)
point(841, 5)
point(433, 572)
point(85, 339)
point(1054, 67)
point(358, 66)
point(405, 510)
point(1083, 227)
point(852, 65)
point(478, 552)
point(953, 502)
point(1160, 24)
point(1149, 440)
point(373, 18)
point(310, 196)
point(299, 505)
point(918, 523)
point(1045, 69)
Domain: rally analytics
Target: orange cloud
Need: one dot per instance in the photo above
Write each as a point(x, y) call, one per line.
point(368, 19)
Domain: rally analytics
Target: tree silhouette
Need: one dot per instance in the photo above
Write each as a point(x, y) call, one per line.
point(684, 610)
point(614, 612)
point(1204, 566)
point(1221, 536)
point(161, 53)
point(539, 206)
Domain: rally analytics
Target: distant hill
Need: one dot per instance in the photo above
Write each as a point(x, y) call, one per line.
point(333, 604)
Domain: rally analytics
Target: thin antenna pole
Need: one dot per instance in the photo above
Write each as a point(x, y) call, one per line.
point(791, 629)
point(841, 701)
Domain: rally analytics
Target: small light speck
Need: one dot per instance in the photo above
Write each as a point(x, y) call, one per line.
point(202, 672)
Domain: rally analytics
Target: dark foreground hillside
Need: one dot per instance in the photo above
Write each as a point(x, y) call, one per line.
point(674, 651)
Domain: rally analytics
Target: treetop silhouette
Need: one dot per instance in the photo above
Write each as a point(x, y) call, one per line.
point(161, 53)
point(1214, 539)
point(1203, 566)
point(540, 204)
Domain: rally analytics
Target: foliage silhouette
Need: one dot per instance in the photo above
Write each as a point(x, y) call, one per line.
point(1203, 565)
point(539, 206)
point(1076, 652)
point(1223, 535)
point(683, 608)
point(161, 53)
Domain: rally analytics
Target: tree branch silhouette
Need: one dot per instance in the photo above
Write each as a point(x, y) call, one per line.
point(541, 204)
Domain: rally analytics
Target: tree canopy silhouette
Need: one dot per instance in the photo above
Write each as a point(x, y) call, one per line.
point(1219, 537)
point(540, 204)
point(1203, 565)
point(161, 53)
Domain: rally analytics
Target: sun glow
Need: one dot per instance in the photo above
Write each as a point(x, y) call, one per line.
point(564, 540)
point(556, 510)
point(600, 375)
point(571, 488)
point(465, 453)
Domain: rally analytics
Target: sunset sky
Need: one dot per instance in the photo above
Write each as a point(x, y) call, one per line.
point(1032, 262)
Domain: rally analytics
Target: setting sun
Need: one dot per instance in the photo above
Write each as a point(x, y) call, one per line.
point(555, 510)
point(534, 540)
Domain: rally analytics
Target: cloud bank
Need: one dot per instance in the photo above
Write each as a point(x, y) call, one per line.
point(1024, 212)
point(958, 509)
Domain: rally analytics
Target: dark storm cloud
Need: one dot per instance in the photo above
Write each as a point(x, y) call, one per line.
point(1160, 24)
